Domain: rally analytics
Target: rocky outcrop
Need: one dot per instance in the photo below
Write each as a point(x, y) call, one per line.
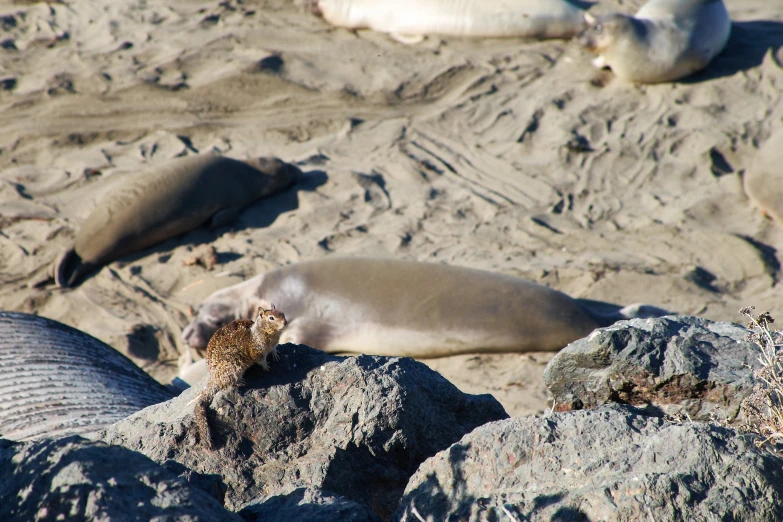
point(357, 427)
point(76, 479)
point(677, 364)
point(612, 463)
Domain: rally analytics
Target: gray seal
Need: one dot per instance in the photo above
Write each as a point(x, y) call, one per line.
point(169, 200)
point(57, 381)
point(762, 179)
point(405, 308)
point(664, 41)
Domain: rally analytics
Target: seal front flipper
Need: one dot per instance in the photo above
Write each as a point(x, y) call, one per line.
point(69, 268)
point(407, 39)
point(223, 217)
point(314, 333)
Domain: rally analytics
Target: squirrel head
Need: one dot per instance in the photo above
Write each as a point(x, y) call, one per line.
point(272, 320)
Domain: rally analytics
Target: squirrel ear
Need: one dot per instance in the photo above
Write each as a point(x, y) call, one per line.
point(273, 307)
point(590, 19)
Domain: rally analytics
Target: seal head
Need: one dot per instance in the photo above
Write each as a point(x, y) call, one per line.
point(603, 32)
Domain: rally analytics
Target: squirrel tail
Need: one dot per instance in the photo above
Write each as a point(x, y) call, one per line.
point(202, 421)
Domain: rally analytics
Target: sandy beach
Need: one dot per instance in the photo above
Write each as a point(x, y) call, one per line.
point(506, 155)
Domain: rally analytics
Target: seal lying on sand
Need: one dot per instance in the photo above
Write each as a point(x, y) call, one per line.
point(404, 308)
point(57, 381)
point(168, 200)
point(762, 180)
point(409, 20)
point(665, 40)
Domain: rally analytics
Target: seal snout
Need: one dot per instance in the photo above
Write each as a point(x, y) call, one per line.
point(194, 336)
point(588, 36)
point(315, 8)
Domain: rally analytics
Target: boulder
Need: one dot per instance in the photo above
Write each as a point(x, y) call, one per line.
point(77, 479)
point(57, 381)
point(678, 364)
point(613, 463)
point(355, 426)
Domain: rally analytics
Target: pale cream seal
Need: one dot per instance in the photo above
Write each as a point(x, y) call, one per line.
point(410, 20)
point(405, 308)
point(665, 40)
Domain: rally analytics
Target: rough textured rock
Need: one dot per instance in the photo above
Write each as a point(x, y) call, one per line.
point(77, 479)
point(356, 426)
point(307, 504)
point(678, 364)
point(57, 381)
point(612, 463)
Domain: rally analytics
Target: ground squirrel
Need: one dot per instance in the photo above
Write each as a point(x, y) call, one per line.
point(233, 349)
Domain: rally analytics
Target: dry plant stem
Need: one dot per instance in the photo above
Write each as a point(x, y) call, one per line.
point(766, 421)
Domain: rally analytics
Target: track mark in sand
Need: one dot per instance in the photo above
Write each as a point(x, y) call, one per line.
point(719, 166)
point(473, 186)
point(457, 78)
point(332, 242)
point(481, 175)
point(375, 192)
point(768, 255)
point(532, 127)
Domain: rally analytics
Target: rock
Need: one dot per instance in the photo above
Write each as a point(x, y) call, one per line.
point(76, 479)
point(678, 364)
point(612, 463)
point(307, 504)
point(57, 381)
point(355, 426)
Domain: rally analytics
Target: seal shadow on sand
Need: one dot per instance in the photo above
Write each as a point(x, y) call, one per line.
point(748, 44)
point(259, 214)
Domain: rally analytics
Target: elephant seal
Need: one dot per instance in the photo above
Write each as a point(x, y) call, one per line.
point(762, 179)
point(666, 40)
point(409, 20)
point(405, 308)
point(57, 381)
point(169, 200)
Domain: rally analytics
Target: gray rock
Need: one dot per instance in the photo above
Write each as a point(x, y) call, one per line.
point(77, 479)
point(57, 381)
point(678, 364)
point(307, 504)
point(611, 464)
point(356, 426)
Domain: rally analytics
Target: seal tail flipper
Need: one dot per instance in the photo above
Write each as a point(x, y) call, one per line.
point(641, 311)
point(606, 314)
point(69, 268)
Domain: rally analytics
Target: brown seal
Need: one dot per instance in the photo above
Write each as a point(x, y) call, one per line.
point(169, 200)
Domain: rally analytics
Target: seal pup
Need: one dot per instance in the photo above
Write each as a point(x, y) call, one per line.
point(404, 308)
point(57, 381)
point(233, 349)
point(408, 21)
point(762, 179)
point(666, 40)
point(169, 200)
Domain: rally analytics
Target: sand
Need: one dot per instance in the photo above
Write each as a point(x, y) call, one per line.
point(505, 155)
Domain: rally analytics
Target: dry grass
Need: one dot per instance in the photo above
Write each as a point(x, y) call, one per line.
point(763, 409)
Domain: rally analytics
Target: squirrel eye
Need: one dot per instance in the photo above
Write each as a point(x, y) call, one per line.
point(271, 317)
point(598, 28)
